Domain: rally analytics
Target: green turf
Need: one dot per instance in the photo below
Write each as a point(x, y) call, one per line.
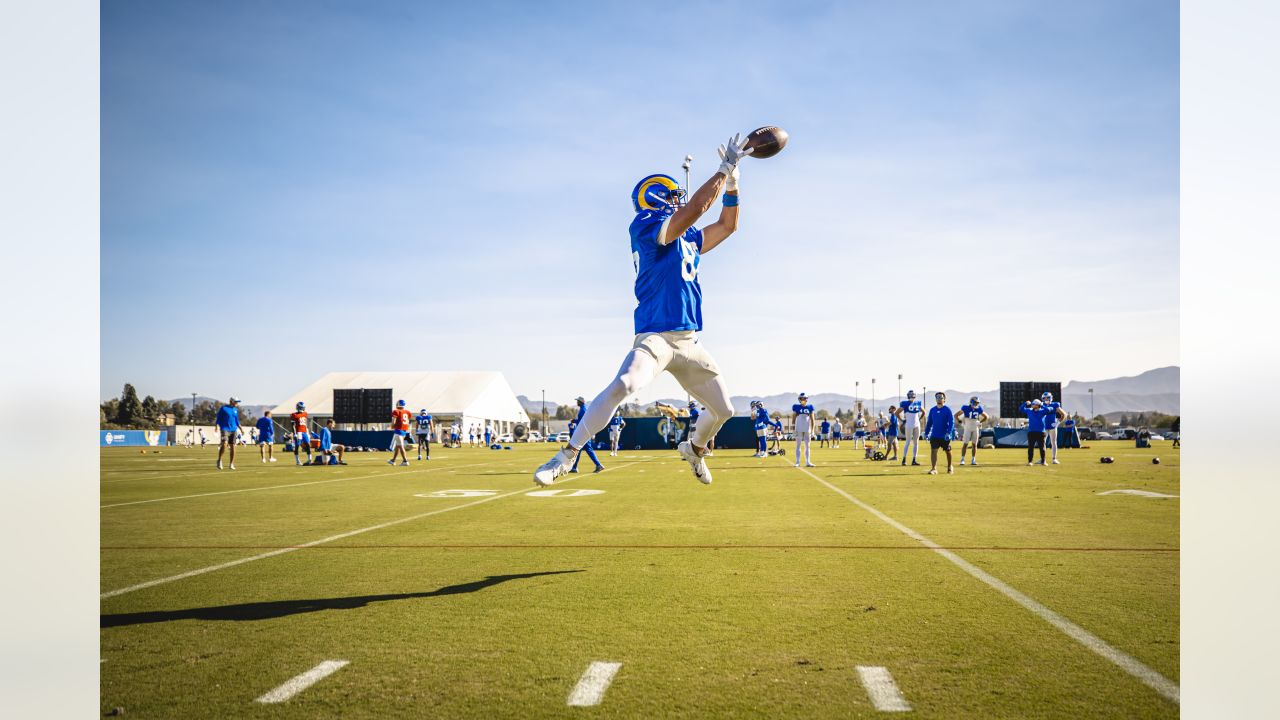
point(754, 597)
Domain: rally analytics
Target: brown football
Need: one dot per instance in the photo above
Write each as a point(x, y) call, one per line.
point(767, 141)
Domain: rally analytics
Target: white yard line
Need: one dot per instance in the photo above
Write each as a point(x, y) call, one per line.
point(591, 686)
point(882, 690)
point(296, 685)
point(321, 541)
point(1152, 679)
point(277, 487)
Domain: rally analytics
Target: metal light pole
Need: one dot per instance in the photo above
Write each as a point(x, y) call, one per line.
point(1091, 415)
point(193, 419)
point(688, 163)
point(855, 396)
point(544, 413)
point(873, 396)
point(899, 386)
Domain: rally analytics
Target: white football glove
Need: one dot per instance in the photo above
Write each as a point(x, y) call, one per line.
point(730, 154)
point(731, 180)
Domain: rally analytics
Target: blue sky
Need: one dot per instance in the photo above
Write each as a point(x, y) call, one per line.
point(973, 191)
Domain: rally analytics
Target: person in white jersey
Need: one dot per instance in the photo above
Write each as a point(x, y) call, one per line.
point(803, 412)
point(909, 413)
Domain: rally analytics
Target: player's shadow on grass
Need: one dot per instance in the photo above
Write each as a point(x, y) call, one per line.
point(283, 608)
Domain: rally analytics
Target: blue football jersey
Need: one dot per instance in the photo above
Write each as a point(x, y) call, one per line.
point(424, 424)
point(616, 421)
point(668, 296)
point(912, 407)
point(1051, 415)
point(802, 409)
point(972, 412)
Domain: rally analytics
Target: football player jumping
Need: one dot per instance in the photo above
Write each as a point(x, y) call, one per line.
point(665, 250)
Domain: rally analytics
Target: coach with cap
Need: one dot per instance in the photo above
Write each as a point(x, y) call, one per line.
point(228, 430)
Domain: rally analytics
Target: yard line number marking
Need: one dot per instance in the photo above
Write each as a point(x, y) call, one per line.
point(591, 686)
point(313, 543)
point(297, 684)
point(1152, 679)
point(882, 690)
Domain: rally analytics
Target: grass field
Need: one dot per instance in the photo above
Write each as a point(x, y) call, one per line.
point(757, 596)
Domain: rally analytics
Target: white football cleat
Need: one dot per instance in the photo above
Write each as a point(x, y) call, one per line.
point(1055, 461)
point(233, 466)
point(962, 461)
point(974, 463)
point(933, 472)
point(809, 464)
point(558, 465)
point(696, 462)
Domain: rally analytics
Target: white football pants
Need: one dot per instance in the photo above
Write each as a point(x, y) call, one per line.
point(680, 354)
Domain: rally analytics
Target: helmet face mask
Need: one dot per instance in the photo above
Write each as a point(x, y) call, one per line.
point(911, 394)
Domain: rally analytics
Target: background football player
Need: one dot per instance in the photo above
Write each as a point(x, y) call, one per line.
point(971, 417)
point(803, 412)
point(909, 412)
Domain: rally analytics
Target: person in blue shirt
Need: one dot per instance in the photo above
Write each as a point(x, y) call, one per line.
point(666, 251)
point(616, 423)
point(328, 448)
point(1053, 413)
point(586, 447)
point(1036, 413)
point(764, 426)
point(266, 436)
point(824, 432)
point(971, 417)
point(891, 436)
point(940, 428)
point(424, 426)
point(228, 429)
point(804, 426)
point(910, 412)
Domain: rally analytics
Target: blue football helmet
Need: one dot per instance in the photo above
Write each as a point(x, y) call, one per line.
point(1046, 396)
point(659, 193)
point(974, 400)
point(400, 403)
point(302, 406)
point(911, 394)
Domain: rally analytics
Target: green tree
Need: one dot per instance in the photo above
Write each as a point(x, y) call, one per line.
point(150, 410)
point(246, 420)
point(179, 413)
point(129, 411)
point(204, 413)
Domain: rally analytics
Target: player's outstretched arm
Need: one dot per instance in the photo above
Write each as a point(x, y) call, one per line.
point(700, 203)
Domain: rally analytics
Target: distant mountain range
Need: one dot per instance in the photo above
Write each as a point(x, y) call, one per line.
point(1154, 390)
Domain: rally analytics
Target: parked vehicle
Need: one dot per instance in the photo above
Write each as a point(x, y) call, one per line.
point(563, 437)
point(533, 436)
point(1157, 437)
point(506, 438)
point(1087, 433)
point(1104, 435)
